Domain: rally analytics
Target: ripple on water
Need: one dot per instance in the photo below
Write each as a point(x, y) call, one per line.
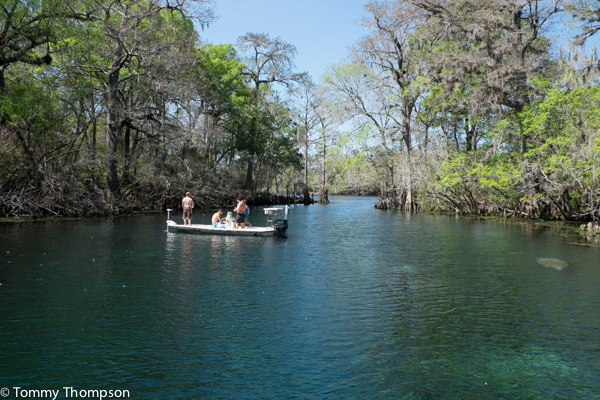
point(354, 303)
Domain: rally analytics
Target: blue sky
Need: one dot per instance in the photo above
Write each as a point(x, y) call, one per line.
point(321, 30)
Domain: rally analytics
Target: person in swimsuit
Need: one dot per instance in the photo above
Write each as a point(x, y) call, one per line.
point(187, 203)
point(247, 214)
point(240, 219)
point(217, 221)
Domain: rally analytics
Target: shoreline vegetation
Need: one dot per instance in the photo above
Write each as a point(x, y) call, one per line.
point(119, 107)
point(579, 234)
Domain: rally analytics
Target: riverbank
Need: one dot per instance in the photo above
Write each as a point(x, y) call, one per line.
point(208, 200)
point(102, 203)
point(576, 233)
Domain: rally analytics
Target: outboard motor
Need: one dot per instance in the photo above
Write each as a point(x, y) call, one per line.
point(280, 226)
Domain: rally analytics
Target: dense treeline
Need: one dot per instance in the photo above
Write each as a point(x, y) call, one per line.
point(471, 106)
point(112, 106)
point(458, 105)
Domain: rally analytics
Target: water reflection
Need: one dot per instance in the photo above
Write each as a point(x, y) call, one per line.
point(186, 249)
point(354, 303)
point(216, 243)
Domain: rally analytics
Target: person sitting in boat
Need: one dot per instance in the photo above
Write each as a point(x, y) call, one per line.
point(240, 219)
point(217, 221)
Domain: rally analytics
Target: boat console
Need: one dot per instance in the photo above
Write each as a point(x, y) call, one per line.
point(276, 221)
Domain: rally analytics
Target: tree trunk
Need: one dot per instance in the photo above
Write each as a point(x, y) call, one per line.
point(94, 135)
point(2, 93)
point(323, 195)
point(249, 184)
point(306, 196)
point(126, 154)
point(2, 83)
point(407, 107)
point(323, 172)
point(306, 161)
point(112, 130)
point(469, 136)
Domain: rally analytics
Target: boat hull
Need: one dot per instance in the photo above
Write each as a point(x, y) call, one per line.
point(211, 230)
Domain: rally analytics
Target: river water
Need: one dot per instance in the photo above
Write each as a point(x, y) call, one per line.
point(354, 303)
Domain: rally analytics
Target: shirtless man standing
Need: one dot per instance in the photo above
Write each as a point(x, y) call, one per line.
point(240, 219)
point(187, 203)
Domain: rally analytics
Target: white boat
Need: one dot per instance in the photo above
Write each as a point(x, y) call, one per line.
point(276, 225)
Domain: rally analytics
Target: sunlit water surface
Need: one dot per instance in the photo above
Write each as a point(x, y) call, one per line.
point(354, 303)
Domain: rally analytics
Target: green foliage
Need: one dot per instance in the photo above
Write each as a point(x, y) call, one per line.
point(495, 180)
point(555, 176)
point(27, 103)
point(343, 160)
point(563, 130)
point(189, 111)
point(221, 75)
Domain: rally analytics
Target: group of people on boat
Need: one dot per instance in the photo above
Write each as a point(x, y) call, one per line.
point(217, 221)
point(242, 210)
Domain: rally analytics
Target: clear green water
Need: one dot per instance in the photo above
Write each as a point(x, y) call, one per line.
point(354, 304)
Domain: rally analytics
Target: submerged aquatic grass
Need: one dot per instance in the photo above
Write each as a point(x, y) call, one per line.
point(555, 263)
